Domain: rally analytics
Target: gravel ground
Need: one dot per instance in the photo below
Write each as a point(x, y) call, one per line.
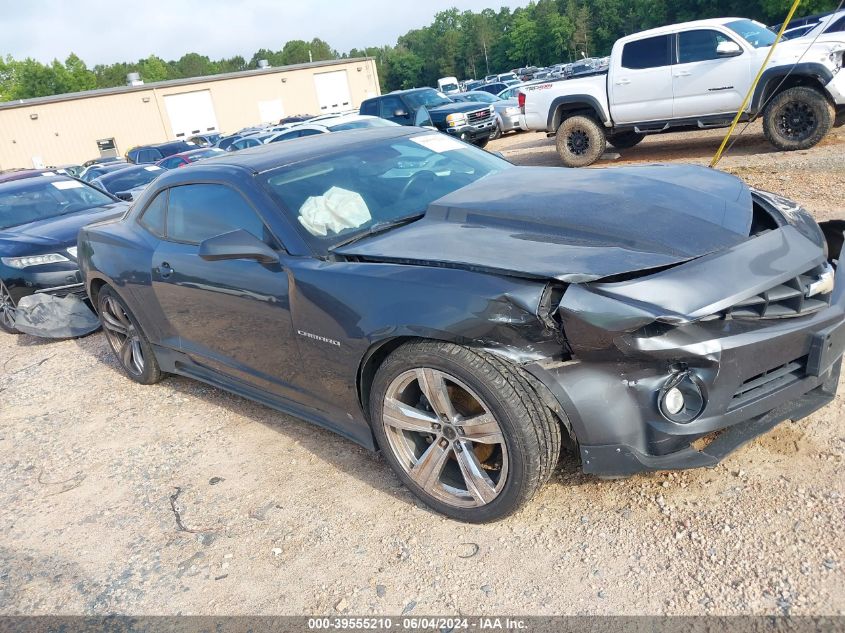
point(182, 499)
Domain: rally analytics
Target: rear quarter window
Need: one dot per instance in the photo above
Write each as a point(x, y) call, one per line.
point(651, 52)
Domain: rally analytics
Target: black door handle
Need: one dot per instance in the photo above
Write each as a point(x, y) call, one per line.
point(165, 270)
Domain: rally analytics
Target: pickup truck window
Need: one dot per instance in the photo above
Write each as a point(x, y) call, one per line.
point(699, 45)
point(388, 107)
point(753, 32)
point(651, 52)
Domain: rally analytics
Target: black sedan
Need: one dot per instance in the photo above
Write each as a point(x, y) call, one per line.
point(468, 317)
point(40, 217)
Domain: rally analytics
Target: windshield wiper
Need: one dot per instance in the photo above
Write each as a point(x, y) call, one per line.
point(379, 227)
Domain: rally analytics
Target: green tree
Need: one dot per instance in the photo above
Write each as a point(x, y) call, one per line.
point(153, 69)
point(294, 52)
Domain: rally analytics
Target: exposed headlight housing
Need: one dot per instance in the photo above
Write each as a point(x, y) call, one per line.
point(681, 399)
point(34, 260)
point(456, 119)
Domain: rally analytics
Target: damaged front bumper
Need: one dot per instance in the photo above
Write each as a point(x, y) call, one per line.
point(750, 373)
point(51, 304)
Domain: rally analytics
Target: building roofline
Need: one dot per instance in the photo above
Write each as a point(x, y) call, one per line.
point(100, 92)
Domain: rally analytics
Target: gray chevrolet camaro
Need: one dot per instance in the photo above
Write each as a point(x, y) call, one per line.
point(469, 318)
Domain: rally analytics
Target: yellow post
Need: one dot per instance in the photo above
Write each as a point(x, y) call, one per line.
point(753, 87)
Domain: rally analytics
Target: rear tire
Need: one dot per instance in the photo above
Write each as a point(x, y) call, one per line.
point(431, 397)
point(797, 118)
point(580, 141)
point(625, 140)
point(7, 310)
point(126, 339)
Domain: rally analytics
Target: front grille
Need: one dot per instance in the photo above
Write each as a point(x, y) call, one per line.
point(479, 116)
point(769, 381)
point(785, 300)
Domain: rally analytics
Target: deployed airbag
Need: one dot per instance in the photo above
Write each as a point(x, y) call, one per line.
point(54, 317)
point(336, 210)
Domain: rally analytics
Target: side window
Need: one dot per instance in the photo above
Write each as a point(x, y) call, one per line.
point(198, 212)
point(699, 46)
point(837, 27)
point(388, 105)
point(309, 132)
point(370, 107)
point(153, 217)
point(171, 163)
point(652, 52)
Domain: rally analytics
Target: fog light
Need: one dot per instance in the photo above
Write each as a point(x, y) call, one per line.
point(682, 398)
point(673, 401)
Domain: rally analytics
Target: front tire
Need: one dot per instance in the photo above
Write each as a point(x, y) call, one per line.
point(7, 310)
point(127, 341)
point(580, 141)
point(463, 430)
point(497, 131)
point(797, 118)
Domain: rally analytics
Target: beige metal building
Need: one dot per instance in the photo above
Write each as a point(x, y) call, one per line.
point(72, 128)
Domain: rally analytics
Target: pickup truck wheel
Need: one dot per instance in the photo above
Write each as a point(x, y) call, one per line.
point(625, 140)
point(497, 131)
point(580, 141)
point(463, 430)
point(797, 118)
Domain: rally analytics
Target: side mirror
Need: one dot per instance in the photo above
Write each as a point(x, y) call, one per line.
point(728, 49)
point(238, 244)
point(124, 195)
point(400, 113)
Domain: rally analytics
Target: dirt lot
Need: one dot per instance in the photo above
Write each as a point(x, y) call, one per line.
point(180, 498)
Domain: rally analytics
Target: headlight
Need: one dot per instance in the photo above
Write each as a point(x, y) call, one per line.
point(836, 59)
point(34, 260)
point(492, 109)
point(456, 119)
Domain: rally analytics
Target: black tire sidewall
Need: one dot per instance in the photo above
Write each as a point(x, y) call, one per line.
point(595, 133)
point(814, 99)
point(152, 372)
point(4, 328)
point(513, 494)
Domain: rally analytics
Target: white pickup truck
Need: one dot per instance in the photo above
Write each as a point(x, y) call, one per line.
point(692, 76)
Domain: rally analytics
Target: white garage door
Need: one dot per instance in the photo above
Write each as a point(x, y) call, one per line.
point(333, 91)
point(191, 113)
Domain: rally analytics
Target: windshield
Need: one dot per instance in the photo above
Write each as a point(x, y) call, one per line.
point(482, 97)
point(449, 87)
point(35, 199)
point(127, 179)
point(361, 123)
point(335, 197)
point(427, 98)
point(754, 33)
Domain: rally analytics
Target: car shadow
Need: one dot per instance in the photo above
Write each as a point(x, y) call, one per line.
point(340, 453)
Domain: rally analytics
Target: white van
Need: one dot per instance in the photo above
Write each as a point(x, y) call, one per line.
point(448, 85)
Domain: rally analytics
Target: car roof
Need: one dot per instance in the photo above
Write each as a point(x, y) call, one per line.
point(21, 174)
point(11, 183)
point(682, 26)
point(265, 157)
point(165, 145)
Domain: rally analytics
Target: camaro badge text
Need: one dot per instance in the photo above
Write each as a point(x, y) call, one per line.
point(317, 337)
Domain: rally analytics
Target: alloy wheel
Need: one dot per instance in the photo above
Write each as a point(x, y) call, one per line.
point(7, 307)
point(122, 335)
point(445, 438)
point(797, 121)
point(578, 142)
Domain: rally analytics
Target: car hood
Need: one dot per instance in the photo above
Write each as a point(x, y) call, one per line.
point(804, 49)
point(59, 232)
point(573, 225)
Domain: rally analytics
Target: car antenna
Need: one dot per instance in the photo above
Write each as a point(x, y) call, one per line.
point(722, 148)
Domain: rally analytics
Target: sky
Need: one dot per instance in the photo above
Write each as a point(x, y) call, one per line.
point(105, 31)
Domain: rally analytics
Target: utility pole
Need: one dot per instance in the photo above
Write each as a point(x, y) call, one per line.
point(486, 61)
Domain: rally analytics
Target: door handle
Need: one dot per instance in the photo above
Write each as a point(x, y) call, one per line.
point(683, 73)
point(165, 270)
point(623, 82)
